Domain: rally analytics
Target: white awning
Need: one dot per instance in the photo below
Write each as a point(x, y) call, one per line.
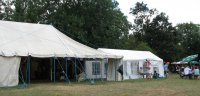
point(132, 54)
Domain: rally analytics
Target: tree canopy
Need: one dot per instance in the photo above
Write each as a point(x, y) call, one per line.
point(190, 37)
point(97, 23)
point(100, 23)
point(169, 42)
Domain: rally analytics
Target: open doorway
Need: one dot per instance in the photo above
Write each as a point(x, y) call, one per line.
point(42, 69)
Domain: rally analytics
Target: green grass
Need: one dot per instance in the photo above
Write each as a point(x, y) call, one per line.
point(173, 86)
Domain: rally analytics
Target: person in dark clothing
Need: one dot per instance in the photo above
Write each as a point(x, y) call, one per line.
point(182, 72)
point(155, 75)
point(190, 73)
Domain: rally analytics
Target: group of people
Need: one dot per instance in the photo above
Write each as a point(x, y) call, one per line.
point(189, 72)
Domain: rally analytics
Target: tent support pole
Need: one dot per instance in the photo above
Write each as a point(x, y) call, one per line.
point(29, 69)
point(101, 64)
point(96, 68)
point(51, 70)
point(66, 65)
point(75, 70)
point(85, 70)
point(107, 70)
point(21, 77)
point(115, 69)
point(97, 71)
point(54, 73)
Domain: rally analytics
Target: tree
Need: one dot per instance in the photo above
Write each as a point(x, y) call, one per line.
point(6, 10)
point(143, 16)
point(35, 11)
point(162, 37)
point(155, 29)
point(98, 21)
point(190, 37)
point(133, 44)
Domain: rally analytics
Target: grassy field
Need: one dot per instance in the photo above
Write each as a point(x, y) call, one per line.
point(173, 86)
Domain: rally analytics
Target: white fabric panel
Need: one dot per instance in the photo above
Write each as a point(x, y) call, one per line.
point(159, 65)
point(39, 40)
point(161, 68)
point(111, 70)
point(132, 70)
point(9, 71)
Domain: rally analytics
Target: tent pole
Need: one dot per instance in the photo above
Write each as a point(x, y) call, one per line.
point(51, 70)
point(102, 71)
point(107, 70)
point(96, 69)
point(85, 70)
point(29, 68)
point(54, 76)
point(26, 70)
point(93, 68)
point(66, 65)
point(21, 77)
point(115, 69)
point(75, 70)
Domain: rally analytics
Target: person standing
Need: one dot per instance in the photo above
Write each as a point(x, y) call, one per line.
point(186, 72)
point(190, 73)
point(166, 69)
point(149, 74)
point(182, 74)
point(196, 73)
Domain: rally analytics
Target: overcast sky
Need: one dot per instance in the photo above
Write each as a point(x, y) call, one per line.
point(179, 11)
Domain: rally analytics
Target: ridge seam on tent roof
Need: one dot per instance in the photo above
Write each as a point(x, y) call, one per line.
point(63, 43)
point(76, 37)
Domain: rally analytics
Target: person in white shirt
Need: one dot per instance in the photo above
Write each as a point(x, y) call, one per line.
point(186, 71)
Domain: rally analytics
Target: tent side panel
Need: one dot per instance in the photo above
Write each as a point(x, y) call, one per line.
point(9, 71)
point(119, 63)
point(161, 67)
point(131, 69)
point(158, 67)
point(113, 74)
point(111, 70)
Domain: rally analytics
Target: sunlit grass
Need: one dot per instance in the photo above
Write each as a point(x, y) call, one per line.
point(173, 86)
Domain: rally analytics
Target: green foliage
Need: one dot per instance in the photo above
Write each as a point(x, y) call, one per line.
point(190, 37)
point(6, 10)
point(143, 16)
point(143, 46)
point(156, 31)
point(100, 23)
point(97, 21)
point(133, 44)
point(170, 43)
point(161, 36)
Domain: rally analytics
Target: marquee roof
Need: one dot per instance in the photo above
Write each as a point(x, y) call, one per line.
point(39, 40)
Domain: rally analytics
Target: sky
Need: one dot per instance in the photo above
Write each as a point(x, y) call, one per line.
point(179, 11)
